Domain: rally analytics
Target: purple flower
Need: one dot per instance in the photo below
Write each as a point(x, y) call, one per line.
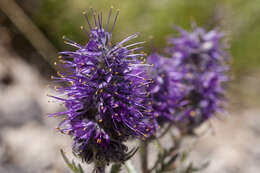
point(165, 89)
point(202, 65)
point(106, 100)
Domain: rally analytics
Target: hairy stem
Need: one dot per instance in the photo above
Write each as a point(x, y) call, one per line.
point(166, 130)
point(144, 156)
point(99, 167)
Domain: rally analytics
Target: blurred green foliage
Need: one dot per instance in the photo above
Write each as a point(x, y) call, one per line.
point(239, 19)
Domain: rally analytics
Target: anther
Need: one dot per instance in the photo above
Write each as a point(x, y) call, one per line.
point(193, 113)
point(99, 140)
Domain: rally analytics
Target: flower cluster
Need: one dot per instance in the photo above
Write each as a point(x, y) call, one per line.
point(106, 100)
point(202, 66)
point(112, 95)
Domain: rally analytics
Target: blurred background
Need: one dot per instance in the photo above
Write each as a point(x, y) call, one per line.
point(31, 34)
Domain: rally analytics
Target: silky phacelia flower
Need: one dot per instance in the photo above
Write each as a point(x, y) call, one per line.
point(202, 66)
point(106, 100)
point(165, 89)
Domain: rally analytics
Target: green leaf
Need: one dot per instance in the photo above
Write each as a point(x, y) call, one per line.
point(65, 158)
point(80, 169)
point(184, 156)
point(130, 167)
point(158, 146)
point(72, 165)
point(171, 161)
point(116, 168)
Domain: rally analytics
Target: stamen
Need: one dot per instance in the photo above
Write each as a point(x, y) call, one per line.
point(99, 22)
point(108, 20)
point(83, 29)
point(86, 16)
point(134, 44)
point(193, 113)
point(128, 38)
point(99, 140)
point(101, 18)
point(135, 49)
point(70, 42)
point(94, 16)
point(117, 13)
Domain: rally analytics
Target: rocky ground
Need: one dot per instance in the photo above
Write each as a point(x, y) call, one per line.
point(29, 142)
